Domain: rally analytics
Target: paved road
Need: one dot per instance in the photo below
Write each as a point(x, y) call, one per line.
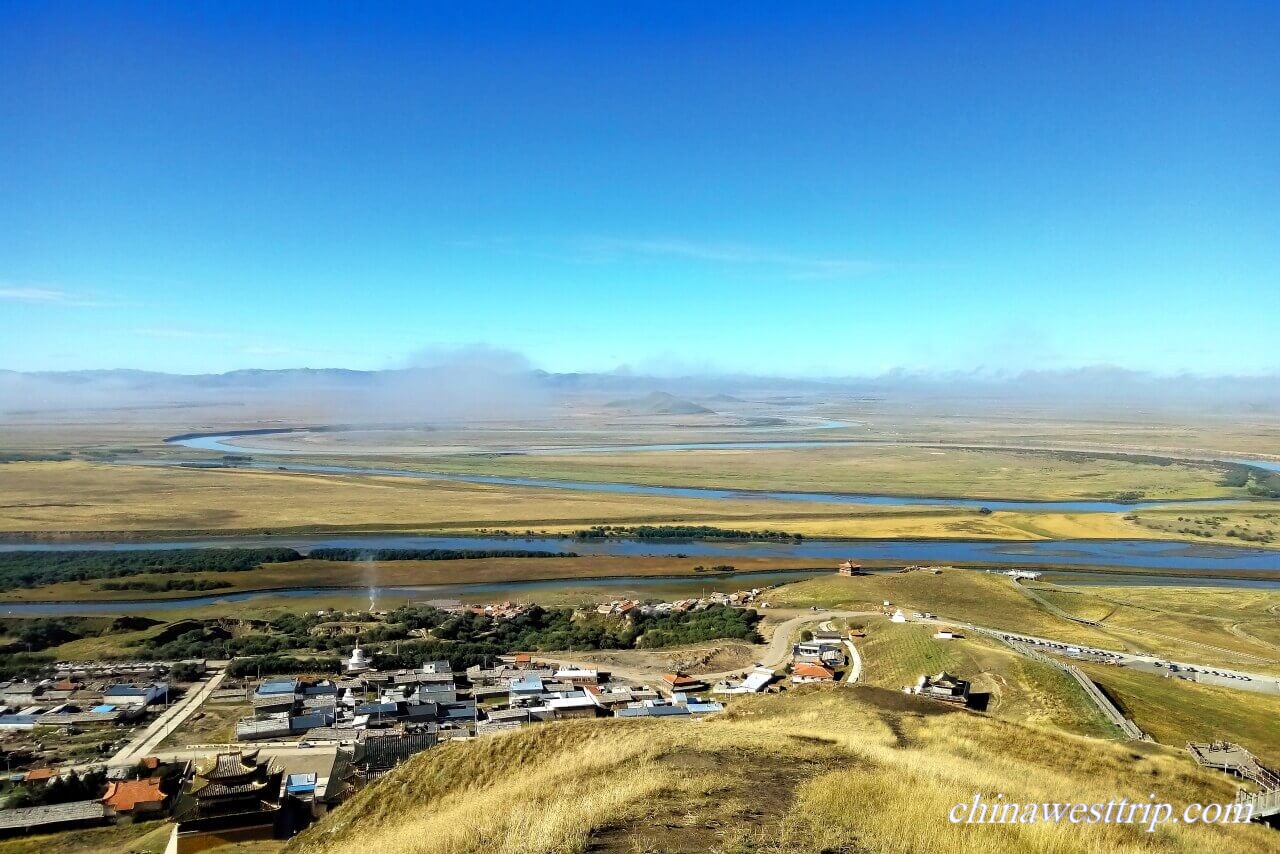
point(771, 655)
point(855, 663)
point(1258, 683)
point(142, 744)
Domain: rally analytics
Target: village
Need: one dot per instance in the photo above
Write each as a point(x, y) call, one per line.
point(95, 743)
point(90, 744)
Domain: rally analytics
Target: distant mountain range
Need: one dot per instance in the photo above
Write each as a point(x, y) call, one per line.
point(660, 403)
point(478, 385)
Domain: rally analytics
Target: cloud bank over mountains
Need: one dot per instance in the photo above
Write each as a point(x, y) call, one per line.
point(487, 383)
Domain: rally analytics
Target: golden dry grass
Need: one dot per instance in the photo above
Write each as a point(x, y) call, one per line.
point(1227, 626)
point(89, 497)
point(321, 573)
point(887, 469)
point(986, 599)
point(78, 498)
point(145, 838)
point(1020, 689)
point(819, 770)
point(1175, 711)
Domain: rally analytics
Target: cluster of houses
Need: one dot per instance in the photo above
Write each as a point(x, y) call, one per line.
point(819, 658)
point(343, 708)
point(626, 607)
point(544, 691)
point(757, 680)
point(387, 716)
point(497, 610)
point(69, 701)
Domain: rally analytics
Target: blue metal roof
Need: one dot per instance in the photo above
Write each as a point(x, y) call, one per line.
point(528, 684)
point(704, 708)
point(298, 784)
point(312, 720)
point(279, 686)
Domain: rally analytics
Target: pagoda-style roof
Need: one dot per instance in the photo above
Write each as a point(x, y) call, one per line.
point(208, 789)
point(226, 766)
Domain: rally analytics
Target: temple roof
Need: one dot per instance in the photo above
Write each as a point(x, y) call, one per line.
point(225, 765)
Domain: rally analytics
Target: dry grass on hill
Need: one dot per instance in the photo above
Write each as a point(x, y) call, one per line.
point(1019, 688)
point(980, 598)
point(819, 770)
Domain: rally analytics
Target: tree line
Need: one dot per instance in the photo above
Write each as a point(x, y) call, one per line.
point(679, 532)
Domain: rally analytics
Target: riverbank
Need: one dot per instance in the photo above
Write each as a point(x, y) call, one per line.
point(63, 501)
point(607, 567)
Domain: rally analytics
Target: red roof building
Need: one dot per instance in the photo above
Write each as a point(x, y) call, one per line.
point(811, 673)
point(129, 796)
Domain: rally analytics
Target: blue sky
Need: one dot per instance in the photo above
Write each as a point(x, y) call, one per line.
point(819, 189)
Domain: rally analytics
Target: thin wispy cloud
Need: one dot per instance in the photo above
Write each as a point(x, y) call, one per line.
point(606, 250)
point(184, 334)
point(40, 295)
point(797, 265)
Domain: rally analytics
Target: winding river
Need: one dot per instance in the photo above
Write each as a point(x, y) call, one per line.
point(1213, 562)
point(220, 443)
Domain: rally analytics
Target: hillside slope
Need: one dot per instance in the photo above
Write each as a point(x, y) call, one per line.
point(821, 769)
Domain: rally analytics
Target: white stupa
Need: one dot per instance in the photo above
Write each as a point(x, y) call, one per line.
point(358, 662)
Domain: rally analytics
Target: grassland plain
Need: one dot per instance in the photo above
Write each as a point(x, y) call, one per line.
point(981, 598)
point(322, 573)
point(77, 499)
point(1212, 625)
point(1162, 626)
point(825, 769)
point(884, 469)
point(1256, 523)
point(1020, 689)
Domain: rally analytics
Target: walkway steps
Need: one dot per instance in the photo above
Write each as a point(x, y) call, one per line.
point(1238, 761)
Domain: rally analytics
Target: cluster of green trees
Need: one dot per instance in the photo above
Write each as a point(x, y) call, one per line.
point(1256, 481)
point(463, 639)
point(201, 643)
point(148, 586)
point(184, 672)
point(33, 456)
point(679, 532)
point(556, 628)
point(24, 665)
point(284, 634)
point(44, 632)
point(717, 621)
point(61, 790)
point(427, 554)
point(32, 568)
point(269, 664)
